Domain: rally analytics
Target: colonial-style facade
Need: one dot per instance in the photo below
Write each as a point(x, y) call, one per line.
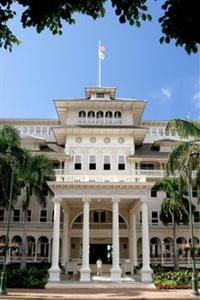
point(106, 161)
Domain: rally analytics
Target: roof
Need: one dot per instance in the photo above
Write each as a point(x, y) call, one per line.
point(147, 150)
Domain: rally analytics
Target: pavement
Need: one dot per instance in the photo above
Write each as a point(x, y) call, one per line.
point(104, 292)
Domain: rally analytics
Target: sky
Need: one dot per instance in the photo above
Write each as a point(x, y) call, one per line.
point(46, 67)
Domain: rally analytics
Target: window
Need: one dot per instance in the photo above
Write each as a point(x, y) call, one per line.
point(140, 217)
point(82, 114)
point(92, 163)
point(16, 215)
point(121, 162)
point(43, 215)
point(44, 130)
point(99, 114)
point(118, 114)
point(99, 217)
point(153, 193)
point(29, 215)
point(106, 165)
point(31, 129)
point(25, 129)
point(160, 131)
point(154, 131)
point(91, 114)
point(147, 166)
point(154, 217)
point(109, 114)
point(38, 130)
point(77, 162)
point(196, 216)
point(99, 95)
point(121, 220)
point(52, 216)
point(1, 215)
point(194, 193)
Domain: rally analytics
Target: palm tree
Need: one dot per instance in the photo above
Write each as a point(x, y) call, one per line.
point(10, 144)
point(32, 179)
point(186, 158)
point(174, 208)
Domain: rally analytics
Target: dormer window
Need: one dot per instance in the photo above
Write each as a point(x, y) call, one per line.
point(109, 114)
point(82, 114)
point(99, 114)
point(100, 95)
point(91, 114)
point(118, 114)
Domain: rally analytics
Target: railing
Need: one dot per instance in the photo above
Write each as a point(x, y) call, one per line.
point(30, 225)
point(100, 179)
point(150, 173)
point(100, 121)
point(169, 261)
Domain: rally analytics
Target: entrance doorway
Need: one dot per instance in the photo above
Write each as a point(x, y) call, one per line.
point(102, 251)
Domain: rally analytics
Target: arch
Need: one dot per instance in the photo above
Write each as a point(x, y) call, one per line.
point(167, 244)
point(109, 114)
point(91, 114)
point(118, 114)
point(43, 246)
point(181, 242)
point(196, 240)
point(82, 114)
point(2, 239)
point(155, 247)
point(99, 114)
point(102, 209)
point(30, 245)
point(16, 240)
point(139, 247)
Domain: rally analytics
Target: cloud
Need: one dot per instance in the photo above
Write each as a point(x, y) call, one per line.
point(196, 101)
point(166, 92)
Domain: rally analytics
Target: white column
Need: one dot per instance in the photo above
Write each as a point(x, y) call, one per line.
point(133, 238)
point(65, 236)
point(85, 269)
point(54, 271)
point(146, 272)
point(115, 271)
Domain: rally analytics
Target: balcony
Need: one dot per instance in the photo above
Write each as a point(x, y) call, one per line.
point(64, 177)
point(99, 121)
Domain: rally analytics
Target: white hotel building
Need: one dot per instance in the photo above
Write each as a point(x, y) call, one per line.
point(106, 160)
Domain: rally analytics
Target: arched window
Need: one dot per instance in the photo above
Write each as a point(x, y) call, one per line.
point(91, 114)
point(43, 246)
point(109, 114)
point(118, 114)
point(82, 114)
point(99, 114)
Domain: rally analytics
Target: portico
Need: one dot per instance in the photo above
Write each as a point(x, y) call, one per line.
point(121, 201)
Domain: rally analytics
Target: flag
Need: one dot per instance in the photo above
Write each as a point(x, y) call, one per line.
point(101, 51)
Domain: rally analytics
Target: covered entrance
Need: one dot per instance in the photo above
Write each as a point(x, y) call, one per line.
point(102, 251)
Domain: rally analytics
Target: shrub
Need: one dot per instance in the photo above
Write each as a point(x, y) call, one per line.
point(30, 277)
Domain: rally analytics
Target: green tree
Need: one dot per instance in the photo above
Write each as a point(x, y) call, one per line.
point(180, 19)
point(10, 142)
point(174, 208)
point(186, 159)
point(32, 180)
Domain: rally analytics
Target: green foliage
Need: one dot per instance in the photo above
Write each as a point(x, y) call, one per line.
point(175, 23)
point(180, 278)
point(181, 22)
point(32, 277)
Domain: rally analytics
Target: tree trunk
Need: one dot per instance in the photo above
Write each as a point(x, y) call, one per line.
point(176, 267)
point(24, 242)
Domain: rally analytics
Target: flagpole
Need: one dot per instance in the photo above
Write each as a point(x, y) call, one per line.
point(99, 65)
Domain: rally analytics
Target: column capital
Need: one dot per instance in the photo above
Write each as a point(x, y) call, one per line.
point(144, 200)
point(115, 200)
point(56, 200)
point(86, 200)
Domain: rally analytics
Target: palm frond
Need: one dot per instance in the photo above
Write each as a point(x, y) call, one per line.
point(185, 128)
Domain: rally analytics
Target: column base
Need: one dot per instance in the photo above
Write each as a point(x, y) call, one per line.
point(146, 275)
point(85, 275)
point(116, 274)
point(54, 274)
